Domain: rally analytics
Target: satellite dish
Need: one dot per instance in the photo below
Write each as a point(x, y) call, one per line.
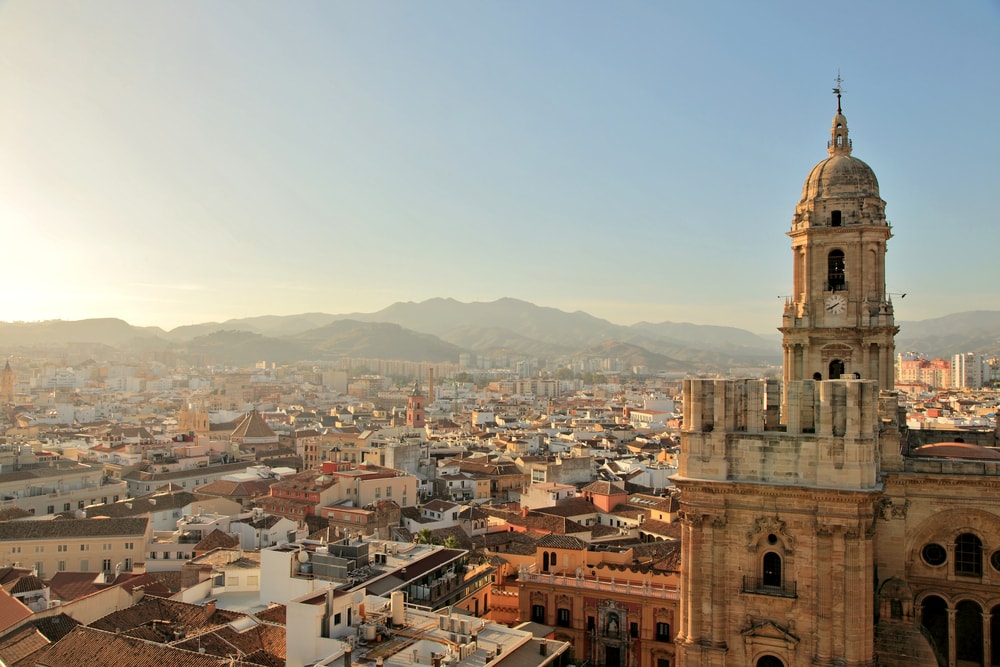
point(303, 556)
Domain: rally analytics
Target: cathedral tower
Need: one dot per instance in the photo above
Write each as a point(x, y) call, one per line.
point(838, 321)
point(779, 483)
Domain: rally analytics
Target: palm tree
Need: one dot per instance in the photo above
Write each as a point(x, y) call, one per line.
point(451, 542)
point(425, 536)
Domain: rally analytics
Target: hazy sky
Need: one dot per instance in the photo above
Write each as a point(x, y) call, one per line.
point(177, 162)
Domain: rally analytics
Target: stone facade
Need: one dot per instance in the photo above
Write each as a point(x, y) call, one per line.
point(811, 534)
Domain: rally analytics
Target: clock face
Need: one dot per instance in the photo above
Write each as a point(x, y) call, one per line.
point(836, 304)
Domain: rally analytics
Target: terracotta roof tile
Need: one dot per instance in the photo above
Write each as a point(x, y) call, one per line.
point(215, 540)
point(67, 528)
point(89, 646)
point(12, 610)
point(21, 643)
point(562, 542)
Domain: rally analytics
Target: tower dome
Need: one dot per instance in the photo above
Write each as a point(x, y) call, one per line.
point(841, 174)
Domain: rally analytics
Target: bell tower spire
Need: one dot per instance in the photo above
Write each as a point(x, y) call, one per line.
point(839, 321)
point(840, 143)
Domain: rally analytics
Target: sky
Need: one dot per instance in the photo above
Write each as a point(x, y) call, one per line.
point(170, 163)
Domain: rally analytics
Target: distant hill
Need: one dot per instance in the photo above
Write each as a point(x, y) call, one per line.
point(974, 331)
point(438, 330)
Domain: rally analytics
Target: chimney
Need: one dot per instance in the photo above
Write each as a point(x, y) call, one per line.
point(543, 647)
point(209, 609)
point(524, 512)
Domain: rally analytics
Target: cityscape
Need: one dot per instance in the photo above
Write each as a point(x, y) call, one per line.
point(214, 452)
point(159, 506)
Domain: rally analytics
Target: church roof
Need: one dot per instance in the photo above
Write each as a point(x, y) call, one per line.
point(253, 426)
point(957, 450)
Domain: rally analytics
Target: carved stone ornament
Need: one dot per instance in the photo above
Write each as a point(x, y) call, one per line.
point(887, 509)
point(765, 526)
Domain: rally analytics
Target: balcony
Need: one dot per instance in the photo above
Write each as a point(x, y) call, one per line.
point(598, 584)
point(757, 586)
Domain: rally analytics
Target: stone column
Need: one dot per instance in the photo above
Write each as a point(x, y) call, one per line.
point(719, 592)
point(987, 639)
point(839, 601)
point(952, 636)
point(824, 596)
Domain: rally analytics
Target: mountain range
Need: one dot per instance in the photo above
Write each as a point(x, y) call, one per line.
point(438, 330)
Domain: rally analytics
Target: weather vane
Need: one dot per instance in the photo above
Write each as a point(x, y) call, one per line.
point(838, 89)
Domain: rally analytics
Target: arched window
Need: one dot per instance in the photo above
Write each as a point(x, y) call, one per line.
point(836, 369)
point(770, 661)
point(545, 561)
point(968, 555)
point(772, 570)
point(836, 271)
point(552, 559)
point(934, 618)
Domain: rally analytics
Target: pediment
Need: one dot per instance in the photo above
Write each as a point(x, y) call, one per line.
point(771, 633)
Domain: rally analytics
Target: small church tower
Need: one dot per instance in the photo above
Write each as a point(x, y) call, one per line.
point(415, 406)
point(7, 382)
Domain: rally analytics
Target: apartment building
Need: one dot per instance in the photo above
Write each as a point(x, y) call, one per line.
point(80, 545)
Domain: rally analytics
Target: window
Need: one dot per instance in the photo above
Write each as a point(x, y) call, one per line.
point(180, 555)
point(968, 555)
point(662, 632)
point(562, 618)
point(65, 507)
point(61, 566)
point(84, 547)
point(79, 505)
point(770, 661)
point(633, 630)
point(835, 218)
point(552, 559)
point(388, 492)
point(934, 554)
point(127, 566)
point(538, 613)
point(130, 545)
point(106, 547)
point(336, 619)
point(106, 565)
point(50, 509)
point(84, 565)
point(836, 271)
point(662, 662)
point(590, 624)
point(772, 570)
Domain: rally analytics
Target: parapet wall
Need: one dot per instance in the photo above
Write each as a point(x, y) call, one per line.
point(830, 435)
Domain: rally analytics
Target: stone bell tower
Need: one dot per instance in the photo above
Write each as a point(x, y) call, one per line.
point(838, 321)
point(779, 482)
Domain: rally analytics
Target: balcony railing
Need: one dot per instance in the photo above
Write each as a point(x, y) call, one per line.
point(598, 584)
point(756, 585)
